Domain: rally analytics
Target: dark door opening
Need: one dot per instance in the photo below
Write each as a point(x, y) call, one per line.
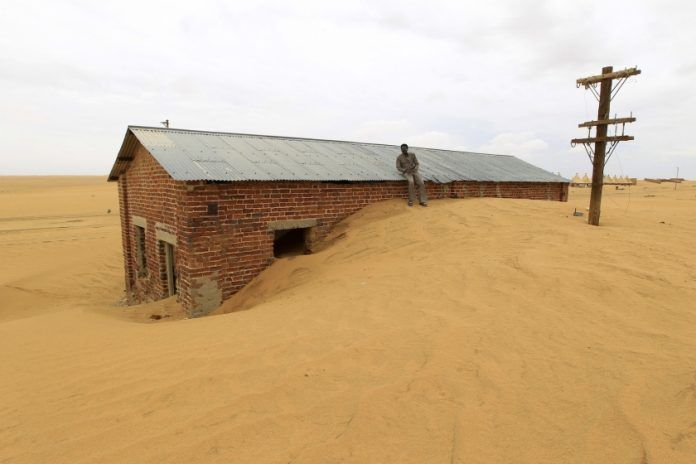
point(170, 266)
point(289, 242)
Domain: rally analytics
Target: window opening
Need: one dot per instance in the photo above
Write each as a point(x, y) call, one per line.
point(170, 267)
point(289, 242)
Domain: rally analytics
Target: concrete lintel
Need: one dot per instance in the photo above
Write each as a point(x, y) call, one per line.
point(139, 221)
point(292, 224)
point(165, 236)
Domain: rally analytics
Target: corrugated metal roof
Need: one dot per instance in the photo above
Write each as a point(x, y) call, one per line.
point(218, 156)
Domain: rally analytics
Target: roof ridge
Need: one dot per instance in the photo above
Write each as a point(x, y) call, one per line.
point(284, 137)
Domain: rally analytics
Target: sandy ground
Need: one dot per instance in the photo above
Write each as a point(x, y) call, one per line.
point(477, 331)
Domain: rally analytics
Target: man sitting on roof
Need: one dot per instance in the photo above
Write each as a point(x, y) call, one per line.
point(407, 164)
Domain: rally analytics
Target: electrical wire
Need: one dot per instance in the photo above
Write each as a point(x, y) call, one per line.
point(618, 158)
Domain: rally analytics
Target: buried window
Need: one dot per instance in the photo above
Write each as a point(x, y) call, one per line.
point(289, 242)
point(169, 267)
point(140, 256)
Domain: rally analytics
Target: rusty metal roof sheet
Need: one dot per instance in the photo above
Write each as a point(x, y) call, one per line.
point(217, 156)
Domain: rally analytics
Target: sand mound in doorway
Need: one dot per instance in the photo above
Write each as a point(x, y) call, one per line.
point(479, 330)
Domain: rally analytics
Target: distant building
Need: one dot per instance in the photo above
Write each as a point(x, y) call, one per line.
point(585, 181)
point(203, 213)
point(578, 181)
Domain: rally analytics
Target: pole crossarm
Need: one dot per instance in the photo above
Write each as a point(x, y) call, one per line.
point(607, 122)
point(611, 138)
point(604, 144)
point(587, 81)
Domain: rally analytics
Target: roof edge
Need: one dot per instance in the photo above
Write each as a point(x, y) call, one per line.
point(285, 137)
point(124, 156)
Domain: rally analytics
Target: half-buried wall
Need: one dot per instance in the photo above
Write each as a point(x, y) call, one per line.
point(203, 240)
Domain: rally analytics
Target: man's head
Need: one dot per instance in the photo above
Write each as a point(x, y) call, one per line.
point(404, 148)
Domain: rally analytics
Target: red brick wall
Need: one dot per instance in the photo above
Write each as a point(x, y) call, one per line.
point(126, 234)
point(217, 254)
point(236, 244)
point(147, 191)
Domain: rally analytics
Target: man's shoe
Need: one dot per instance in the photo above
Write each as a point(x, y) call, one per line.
point(410, 203)
point(424, 204)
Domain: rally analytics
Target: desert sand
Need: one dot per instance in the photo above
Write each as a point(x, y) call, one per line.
point(476, 330)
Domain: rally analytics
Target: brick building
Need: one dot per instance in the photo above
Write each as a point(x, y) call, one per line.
point(202, 213)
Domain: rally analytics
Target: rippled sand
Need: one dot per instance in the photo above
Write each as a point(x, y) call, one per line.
point(476, 330)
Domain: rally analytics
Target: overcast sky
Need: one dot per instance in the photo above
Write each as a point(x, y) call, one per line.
point(493, 76)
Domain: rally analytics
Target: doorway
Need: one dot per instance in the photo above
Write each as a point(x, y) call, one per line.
point(170, 267)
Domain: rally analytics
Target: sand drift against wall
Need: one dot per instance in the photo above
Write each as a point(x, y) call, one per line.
point(477, 330)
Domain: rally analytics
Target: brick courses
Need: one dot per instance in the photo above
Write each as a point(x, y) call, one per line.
point(221, 229)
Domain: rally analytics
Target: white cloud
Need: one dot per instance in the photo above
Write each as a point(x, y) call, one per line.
point(404, 131)
point(437, 139)
point(522, 144)
point(383, 131)
point(495, 75)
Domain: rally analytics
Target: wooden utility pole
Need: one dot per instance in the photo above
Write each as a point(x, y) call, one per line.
point(600, 149)
point(599, 156)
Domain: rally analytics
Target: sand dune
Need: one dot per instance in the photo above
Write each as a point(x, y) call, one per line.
point(477, 330)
